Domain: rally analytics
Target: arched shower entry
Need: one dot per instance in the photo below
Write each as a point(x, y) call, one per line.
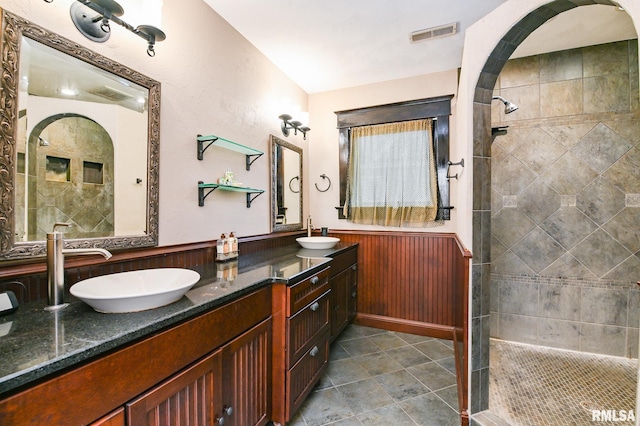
point(68, 177)
point(480, 91)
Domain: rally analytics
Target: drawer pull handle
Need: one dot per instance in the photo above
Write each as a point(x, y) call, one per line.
point(220, 421)
point(354, 267)
point(314, 307)
point(314, 351)
point(228, 410)
point(353, 294)
point(315, 280)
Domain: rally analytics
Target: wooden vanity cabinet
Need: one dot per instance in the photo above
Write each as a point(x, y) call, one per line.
point(230, 387)
point(217, 358)
point(190, 397)
point(301, 321)
point(344, 290)
point(246, 378)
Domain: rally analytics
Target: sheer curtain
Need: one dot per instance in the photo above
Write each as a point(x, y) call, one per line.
point(392, 175)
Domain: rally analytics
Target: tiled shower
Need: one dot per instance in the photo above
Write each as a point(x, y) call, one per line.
point(565, 250)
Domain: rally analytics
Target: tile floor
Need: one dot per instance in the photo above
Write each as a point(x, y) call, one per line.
point(378, 377)
point(537, 386)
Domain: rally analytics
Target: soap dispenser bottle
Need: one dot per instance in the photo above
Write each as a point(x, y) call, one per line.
point(233, 243)
point(221, 245)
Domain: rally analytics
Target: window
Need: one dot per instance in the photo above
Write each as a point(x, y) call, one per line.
point(393, 163)
point(391, 176)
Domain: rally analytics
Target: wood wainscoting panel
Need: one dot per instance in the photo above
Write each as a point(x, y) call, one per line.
point(409, 276)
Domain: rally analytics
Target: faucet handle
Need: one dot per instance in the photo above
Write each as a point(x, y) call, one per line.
point(60, 224)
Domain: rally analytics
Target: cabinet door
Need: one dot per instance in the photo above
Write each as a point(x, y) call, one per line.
point(352, 298)
point(246, 365)
point(188, 398)
point(339, 302)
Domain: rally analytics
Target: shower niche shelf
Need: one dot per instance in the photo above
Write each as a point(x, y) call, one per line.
point(205, 142)
point(204, 189)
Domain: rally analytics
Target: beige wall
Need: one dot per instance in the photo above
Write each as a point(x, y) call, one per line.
point(323, 146)
point(213, 82)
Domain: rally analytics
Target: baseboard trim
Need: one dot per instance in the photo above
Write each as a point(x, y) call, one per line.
point(405, 326)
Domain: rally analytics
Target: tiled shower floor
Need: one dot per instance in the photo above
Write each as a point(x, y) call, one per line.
point(378, 377)
point(531, 385)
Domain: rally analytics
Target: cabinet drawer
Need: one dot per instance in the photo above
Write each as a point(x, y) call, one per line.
point(306, 326)
point(343, 261)
point(305, 374)
point(301, 294)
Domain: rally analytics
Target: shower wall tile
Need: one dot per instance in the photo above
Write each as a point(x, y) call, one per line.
point(633, 319)
point(510, 226)
point(518, 328)
point(511, 176)
point(621, 173)
point(511, 264)
point(520, 72)
point(599, 253)
point(601, 147)
point(559, 66)
point(603, 339)
point(539, 151)
point(538, 250)
point(569, 134)
point(561, 220)
point(497, 248)
point(634, 76)
point(559, 302)
point(568, 267)
point(561, 98)
point(568, 226)
point(624, 228)
point(538, 201)
point(527, 98)
point(629, 267)
point(569, 175)
point(608, 93)
point(604, 306)
point(606, 59)
point(601, 201)
point(518, 298)
point(559, 334)
point(632, 343)
point(494, 328)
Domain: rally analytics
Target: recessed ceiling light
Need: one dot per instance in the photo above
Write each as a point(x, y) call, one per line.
point(68, 92)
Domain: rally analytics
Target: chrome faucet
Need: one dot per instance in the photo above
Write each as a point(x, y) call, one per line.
point(55, 265)
point(309, 226)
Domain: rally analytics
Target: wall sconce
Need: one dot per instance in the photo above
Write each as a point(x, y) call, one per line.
point(97, 28)
point(288, 123)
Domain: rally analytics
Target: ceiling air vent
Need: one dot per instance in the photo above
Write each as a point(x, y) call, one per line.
point(435, 32)
point(110, 93)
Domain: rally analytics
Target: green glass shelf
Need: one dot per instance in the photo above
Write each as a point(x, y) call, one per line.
point(205, 142)
point(252, 193)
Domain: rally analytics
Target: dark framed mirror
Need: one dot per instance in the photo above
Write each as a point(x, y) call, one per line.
point(286, 185)
point(80, 144)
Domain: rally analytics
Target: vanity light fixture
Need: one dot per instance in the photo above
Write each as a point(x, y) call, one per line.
point(97, 27)
point(288, 123)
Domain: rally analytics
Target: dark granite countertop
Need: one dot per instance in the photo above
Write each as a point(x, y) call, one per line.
point(35, 343)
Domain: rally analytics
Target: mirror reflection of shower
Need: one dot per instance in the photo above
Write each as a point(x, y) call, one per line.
point(509, 107)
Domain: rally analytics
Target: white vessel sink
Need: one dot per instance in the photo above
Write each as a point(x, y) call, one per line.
point(135, 290)
point(317, 243)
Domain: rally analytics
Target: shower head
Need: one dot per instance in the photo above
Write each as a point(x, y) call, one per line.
point(509, 107)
